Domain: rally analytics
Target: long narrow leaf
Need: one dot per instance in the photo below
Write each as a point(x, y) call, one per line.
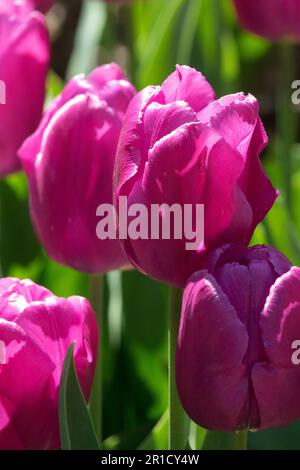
point(76, 428)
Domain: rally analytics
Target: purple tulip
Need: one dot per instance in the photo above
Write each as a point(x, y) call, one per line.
point(69, 163)
point(36, 330)
point(238, 353)
point(180, 145)
point(24, 59)
point(271, 19)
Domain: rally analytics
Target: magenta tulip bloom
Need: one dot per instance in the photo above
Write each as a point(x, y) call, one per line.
point(271, 19)
point(42, 5)
point(69, 163)
point(24, 59)
point(180, 145)
point(238, 352)
point(36, 330)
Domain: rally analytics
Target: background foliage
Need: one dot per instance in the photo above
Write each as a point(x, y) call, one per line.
point(148, 38)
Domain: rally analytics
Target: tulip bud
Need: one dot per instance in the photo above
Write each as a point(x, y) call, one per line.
point(24, 59)
point(236, 364)
point(271, 19)
point(180, 145)
point(69, 162)
point(36, 330)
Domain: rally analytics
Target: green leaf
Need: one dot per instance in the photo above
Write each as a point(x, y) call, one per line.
point(156, 46)
point(55, 86)
point(188, 31)
point(76, 428)
point(197, 436)
point(158, 438)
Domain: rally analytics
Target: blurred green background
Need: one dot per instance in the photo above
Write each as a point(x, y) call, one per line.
point(148, 38)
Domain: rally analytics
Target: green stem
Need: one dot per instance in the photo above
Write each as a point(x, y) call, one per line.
point(177, 415)
point(286, 118)
point(96, 402)
point(219, 33)
point(240, 441)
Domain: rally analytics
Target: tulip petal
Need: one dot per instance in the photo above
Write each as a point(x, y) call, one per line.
point(17, 295)
point(277, 391)
point(236, 119)
point(280, 320)
point(29, 369)
point(189, 85)
point(183, 160)
point(272, 19)
point(211, 377)
point(132, 154)
point(24, 66)
point(54, 324)
point(104, 74)
point(160, 120)
point(67, 225)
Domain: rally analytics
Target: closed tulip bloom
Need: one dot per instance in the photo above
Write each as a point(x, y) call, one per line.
point(36, 330)
point(238, 351)
point(181, 145)
point(24, 59)
point(271, 19)
point(69, 162)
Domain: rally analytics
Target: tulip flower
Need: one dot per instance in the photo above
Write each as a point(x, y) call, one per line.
point(271, 19)
point(180, 145)
point(237, 363)
point(24, 59)
point(36, 330)
point(42, 5)
point(69, 162)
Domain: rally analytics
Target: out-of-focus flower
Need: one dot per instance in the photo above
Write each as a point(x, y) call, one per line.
point(36, 329)
point(69, 163)
point(24, 60)
point(42, 5)
point(180, 145)
point(271, 19)
point(239, 328)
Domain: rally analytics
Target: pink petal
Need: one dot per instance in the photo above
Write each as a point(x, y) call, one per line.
point(54, 325)
point(64, 209)
point(189, 85)
point(27, 56)
point(23, 390)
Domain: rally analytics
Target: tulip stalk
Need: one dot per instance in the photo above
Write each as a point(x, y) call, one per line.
point(177, 414)
point(240, 441)
point(96, 401)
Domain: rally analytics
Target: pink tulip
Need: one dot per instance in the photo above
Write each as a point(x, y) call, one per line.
point(24, 59)
point(42, 5)
point(238, 352)
point(69, 163)
point(271, 19)
point(36, 329)
point(180, 145)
